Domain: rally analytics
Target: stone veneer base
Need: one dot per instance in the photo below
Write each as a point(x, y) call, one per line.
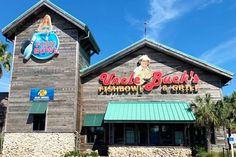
point(139, 151)
point(37, 144)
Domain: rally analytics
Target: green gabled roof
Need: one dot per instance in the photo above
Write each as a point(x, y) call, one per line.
point(7, 31)
point(164, 49)
point(148, 112)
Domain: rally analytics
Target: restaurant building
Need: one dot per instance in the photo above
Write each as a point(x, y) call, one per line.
point(140, 97)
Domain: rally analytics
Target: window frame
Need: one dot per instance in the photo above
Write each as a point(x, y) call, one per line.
point(45, 122)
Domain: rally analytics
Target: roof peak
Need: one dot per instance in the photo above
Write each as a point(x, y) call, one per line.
point(9, 30)
point(166, 49)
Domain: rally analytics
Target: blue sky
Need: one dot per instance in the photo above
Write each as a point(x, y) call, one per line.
point(203, 28)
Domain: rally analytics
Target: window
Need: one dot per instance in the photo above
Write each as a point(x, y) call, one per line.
point(118, 133)
point(166, 135)
point(130, 134)
point(90, 134)
point(142, 134)
point(39, 122)
point(130, 138)
point(38, 113)
point(95, 133)
point(179, 138)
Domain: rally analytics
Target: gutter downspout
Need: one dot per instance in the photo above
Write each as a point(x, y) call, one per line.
point(78, 115)
point(85, 37)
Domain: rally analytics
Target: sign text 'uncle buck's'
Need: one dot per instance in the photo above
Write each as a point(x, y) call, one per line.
point(111, 84)
point(142, 79)
point(44, 43)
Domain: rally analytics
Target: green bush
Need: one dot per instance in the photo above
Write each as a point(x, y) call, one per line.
point(93, 154)
point(203, 153)
point(72, 154)
point(1, 143)
point(79, 154)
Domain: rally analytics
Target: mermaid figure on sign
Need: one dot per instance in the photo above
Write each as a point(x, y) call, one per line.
point(44, 34)
point(46, 25)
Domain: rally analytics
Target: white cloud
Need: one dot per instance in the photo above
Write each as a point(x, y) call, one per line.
point(209, 2)
point(162, 12)
point(134, 22)
point(222, 53)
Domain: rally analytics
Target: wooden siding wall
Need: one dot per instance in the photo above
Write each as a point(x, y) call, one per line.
point(58, 72)
point(84, 58)
point(94, 103)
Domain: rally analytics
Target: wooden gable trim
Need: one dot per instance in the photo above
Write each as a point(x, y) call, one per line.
point(189, 60)
point(36, 8)
point(111, 59)
point(7, 31)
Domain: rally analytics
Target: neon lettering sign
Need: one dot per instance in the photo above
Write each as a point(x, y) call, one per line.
point(186, 82)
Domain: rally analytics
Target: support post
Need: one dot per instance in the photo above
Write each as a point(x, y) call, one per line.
point(148, 134)
point(232, 150)
point(124, 133)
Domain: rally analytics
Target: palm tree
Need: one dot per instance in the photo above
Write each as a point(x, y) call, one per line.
point(4, 58)
point(206, 116)
point(223, 111)
point(230, 103)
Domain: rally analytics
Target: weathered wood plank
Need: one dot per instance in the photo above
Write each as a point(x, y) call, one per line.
point(58, 72)
point(94, 103)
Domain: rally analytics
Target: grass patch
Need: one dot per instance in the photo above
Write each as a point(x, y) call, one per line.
point(201, 152)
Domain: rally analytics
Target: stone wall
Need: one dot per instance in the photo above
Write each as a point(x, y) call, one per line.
point(115, 151)
point(37, 144)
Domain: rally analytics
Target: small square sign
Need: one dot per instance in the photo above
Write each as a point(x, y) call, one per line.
point(231, 140)
point(41, 94)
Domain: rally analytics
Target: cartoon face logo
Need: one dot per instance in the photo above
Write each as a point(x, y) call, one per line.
point(44, 43)
point(42, 92)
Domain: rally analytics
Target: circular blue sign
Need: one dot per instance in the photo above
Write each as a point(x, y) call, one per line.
point(45, 45)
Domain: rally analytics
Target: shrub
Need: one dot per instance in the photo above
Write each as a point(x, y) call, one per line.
point(79, 154)
point(72, 154)
point(203, 153)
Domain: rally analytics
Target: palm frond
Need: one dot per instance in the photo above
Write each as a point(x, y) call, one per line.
point(7, 66)
point(207, 111)
point(3, 48)
point(5, 58)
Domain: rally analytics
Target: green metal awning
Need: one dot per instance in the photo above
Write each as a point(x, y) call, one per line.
point(38, 108)
point(93, 119)
point(148, 112)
